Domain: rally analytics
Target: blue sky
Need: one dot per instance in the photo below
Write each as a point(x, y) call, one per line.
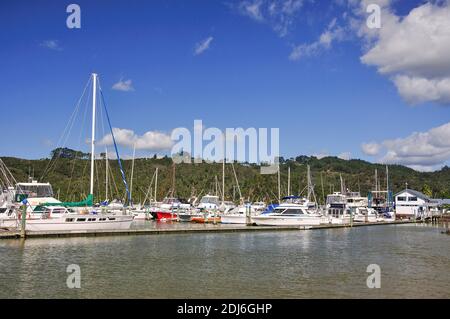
point(325, 102)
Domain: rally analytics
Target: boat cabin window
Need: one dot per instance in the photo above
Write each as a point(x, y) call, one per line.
point(111, 218)
point(92, 219)
point(81, 219)
point(70, 220)
point(401, 198)
point(209, 200)
point(412, 199)
point(35, 190)
point(293, 211)
point(58, 211)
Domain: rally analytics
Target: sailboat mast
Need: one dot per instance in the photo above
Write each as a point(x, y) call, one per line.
point(132, 171)
point(94, 95)
point(223, 179)
point(279, 185)
point(106, 177)
point(156, 183)
point(289, 181)
point(308, 177)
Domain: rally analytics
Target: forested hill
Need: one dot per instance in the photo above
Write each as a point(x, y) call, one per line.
point(69, 176)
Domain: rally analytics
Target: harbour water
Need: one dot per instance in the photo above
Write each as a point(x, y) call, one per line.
point(329, 263)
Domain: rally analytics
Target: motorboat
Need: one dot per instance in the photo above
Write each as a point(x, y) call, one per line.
point(59, 218)
point(289, 214)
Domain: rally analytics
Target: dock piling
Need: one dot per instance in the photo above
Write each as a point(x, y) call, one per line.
point(23, 222)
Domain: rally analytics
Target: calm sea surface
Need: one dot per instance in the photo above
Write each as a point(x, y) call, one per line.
point(414, 262)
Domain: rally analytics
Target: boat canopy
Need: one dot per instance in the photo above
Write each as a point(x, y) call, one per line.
point(291, 197)
point(87, 202)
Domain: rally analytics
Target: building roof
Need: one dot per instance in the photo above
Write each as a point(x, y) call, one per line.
point(438, 201)
point(415, 193)
point(444, 201)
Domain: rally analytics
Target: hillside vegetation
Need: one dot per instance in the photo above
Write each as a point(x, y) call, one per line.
point(70, 177)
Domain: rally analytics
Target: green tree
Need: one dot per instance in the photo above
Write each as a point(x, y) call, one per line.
point(426, 189)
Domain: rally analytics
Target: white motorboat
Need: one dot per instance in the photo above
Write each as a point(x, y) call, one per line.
point(8, 217)
point(60, 219)
point(288, 214)
point(365, 215)
point(209, 202)
point(238, 215)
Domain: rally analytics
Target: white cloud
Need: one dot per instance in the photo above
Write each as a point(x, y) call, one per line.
point(416, 89)
point(151, 140)
point(203, 46)
point(333, 32)
point(424, 151)
point(125, 86)
point(371, 148)
point(252, 9)
point(51, 44)
point(280, 15)
point(413, 51)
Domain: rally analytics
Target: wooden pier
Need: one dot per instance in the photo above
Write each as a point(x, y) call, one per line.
point(210, 228)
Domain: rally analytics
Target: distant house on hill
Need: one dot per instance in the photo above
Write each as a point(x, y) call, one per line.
point(410, 203)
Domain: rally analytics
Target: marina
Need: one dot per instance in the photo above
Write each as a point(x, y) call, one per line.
point(243, 150)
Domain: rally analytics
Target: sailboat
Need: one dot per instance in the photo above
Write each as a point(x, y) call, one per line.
point(56, 216)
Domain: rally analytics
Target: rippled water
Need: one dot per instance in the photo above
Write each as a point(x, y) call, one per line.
point(414, 261)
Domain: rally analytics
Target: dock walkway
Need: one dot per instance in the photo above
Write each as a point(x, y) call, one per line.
point(206, 228)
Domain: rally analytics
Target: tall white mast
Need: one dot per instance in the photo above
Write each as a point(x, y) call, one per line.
point(308, 178)
point(132, 172)
point(289, 182)
point(106, 178)
point(223, 173)
point(156, 183)
point(279, 185)
point(94, 95)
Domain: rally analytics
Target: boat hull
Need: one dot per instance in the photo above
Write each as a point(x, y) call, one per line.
point(234, 219)
point(8, 222)
point(166, 216)
point(62, 223)
point(286, 221)
point(340, 220)
point(362, 219)
point(203, 220)
point(142, 216)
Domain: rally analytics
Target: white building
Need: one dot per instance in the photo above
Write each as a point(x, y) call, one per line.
point(413, 204)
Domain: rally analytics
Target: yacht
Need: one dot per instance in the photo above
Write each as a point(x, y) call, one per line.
point(59, 218)
point(209, 202)
point(238, 215)
point(337, 211)
point(49, 214)
point(293, 211)
point(169, 208)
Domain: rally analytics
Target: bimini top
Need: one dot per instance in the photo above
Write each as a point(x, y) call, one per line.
point(291, 197)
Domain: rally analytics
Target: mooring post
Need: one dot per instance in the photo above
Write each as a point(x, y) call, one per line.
point(351, 218)
point(248, 220)
point(23, 221)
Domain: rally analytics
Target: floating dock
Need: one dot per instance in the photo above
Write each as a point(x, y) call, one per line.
point(206, 228)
